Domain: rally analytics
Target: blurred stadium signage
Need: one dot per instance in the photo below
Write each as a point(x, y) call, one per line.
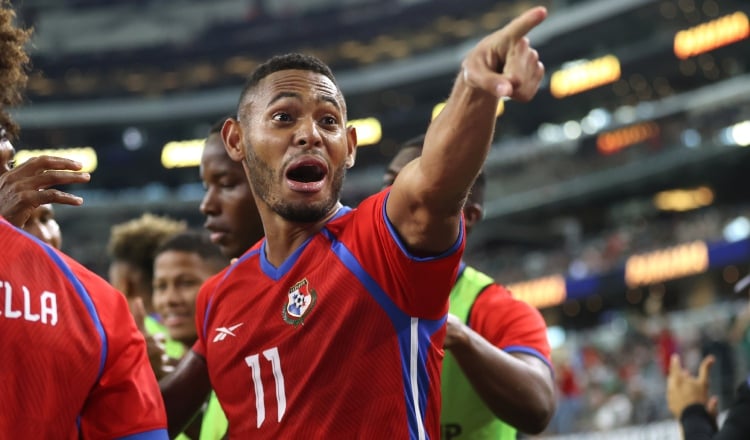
point(85, 155)
point(639, 270)
point(711, 35)
point(614, 141)
point(667, 264)
point(541, 292)
point(580, 76)
point(684, 199)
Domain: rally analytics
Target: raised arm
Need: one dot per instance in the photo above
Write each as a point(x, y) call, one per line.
point(426, 199)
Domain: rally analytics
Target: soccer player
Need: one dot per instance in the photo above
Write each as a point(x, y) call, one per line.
point(333, 325)
point(131, 247)
point(231, 215)
point(73, 352)
point(497, 373)
point(234, 223)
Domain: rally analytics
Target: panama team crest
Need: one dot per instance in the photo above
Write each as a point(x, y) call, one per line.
point(301, 301)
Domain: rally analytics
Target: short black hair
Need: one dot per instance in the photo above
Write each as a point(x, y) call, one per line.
point(290, 61)
point(195, 242)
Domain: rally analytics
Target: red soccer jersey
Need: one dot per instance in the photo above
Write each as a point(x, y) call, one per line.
point(74, 364)
point(510, 324)
point(343, 340)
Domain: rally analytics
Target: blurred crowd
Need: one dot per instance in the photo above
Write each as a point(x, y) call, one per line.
point(614, 376)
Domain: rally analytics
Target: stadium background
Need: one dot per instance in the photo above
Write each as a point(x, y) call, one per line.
point(616, 200)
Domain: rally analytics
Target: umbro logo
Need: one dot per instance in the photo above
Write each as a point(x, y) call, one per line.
point(223, 332)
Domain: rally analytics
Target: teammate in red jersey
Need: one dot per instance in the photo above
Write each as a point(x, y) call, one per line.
point(497, 374)
point(73, 352)
point(332, 326)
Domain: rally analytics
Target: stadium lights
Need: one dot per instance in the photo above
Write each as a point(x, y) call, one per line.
point(684, 199)
point(182, 154)
point(667, 264)
point(711, 35)
point(85, 155)
point(369, 131)
point(737, 134)
point(541, 292)
point(580, 76)
point(439, 107)
point(617, 140)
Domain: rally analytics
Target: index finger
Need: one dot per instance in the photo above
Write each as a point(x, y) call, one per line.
point(524, 23)
point(703, 370)
point(45, 162)
point(674, 365)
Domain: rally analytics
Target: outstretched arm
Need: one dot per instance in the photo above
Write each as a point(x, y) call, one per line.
point(26, 187)
point(426, 198)
point(184, 391)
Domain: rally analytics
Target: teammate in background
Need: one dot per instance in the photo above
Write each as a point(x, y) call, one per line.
point(42, 224)
point(335, 321)
point(182, 263)
point(71, 350)
point(132, 246)
point(234, 223)
point(231, 215)
point(497, 373)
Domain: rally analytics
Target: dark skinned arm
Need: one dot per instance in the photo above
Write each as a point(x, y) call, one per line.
point(518, 388)
point(184, 391)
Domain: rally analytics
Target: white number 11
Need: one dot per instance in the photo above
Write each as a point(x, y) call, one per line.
point(272, 355)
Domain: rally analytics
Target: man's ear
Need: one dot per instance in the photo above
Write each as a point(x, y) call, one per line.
point(351, 141)
point(473, 213)
point(231, 134)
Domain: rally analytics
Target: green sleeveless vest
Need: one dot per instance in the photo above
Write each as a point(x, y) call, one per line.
point(174, 349)
point(464, 415)
point(214, 425)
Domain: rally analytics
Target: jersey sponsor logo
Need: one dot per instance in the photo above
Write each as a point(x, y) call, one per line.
point(223, 332)
point(40, 308)
point(302, 299)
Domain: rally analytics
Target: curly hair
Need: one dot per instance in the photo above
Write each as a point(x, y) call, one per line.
point(13, 63)
point(136, 241)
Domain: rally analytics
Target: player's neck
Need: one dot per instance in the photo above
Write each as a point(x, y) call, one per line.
point(283, 237)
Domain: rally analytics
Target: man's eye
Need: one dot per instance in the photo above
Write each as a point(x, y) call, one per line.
point(11, 164)
point(283, 117)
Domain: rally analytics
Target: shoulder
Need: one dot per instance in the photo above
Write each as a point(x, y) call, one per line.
point(498, 297)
